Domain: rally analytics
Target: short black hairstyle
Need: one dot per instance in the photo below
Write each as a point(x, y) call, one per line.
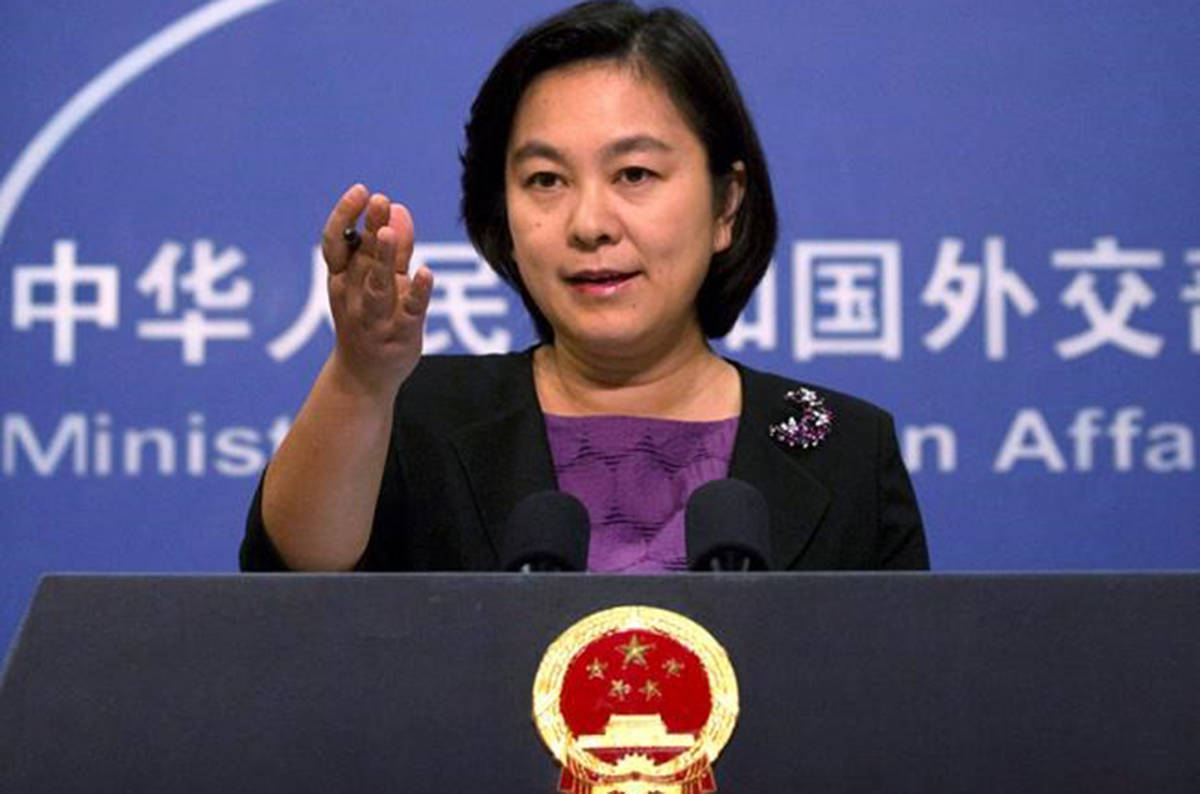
point(675, 49)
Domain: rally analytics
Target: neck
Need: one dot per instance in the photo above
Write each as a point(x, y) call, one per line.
point(687, 382)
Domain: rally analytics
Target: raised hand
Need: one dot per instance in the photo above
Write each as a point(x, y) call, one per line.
point(378, 307)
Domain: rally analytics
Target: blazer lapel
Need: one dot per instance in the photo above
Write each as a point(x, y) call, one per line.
point(796, 499)
point(507, 456)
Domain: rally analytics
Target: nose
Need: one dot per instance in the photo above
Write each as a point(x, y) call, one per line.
point(593, 223)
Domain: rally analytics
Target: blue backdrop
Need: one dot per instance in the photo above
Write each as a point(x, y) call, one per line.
point(988, 216)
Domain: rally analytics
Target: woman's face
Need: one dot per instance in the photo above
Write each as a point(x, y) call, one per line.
point(610, 206)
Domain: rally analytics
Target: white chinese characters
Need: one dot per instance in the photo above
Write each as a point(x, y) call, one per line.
point(465, 290)
point(956, 287)
point(846, 298)
point(1108, 325)
point(67, 282)
point(211, 286)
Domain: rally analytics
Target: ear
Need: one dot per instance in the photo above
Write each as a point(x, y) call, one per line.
point(731, 201)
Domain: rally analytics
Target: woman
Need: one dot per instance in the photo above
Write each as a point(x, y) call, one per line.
point(613, 176)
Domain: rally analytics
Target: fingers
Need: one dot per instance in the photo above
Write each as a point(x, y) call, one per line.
point(366, 254)
point(416, 301)
point(400, 223)
point(393, 247)
point(376, 258)
point(378, 208)
point(345, 213)
point(373, 316)
point(379, 286)
point(337, 251)
point(373, 279)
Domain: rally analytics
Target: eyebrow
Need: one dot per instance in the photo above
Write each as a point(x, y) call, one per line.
point(632, 143)
point(637, 143)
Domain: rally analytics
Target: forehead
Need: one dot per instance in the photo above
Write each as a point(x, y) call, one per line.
point(593, 102)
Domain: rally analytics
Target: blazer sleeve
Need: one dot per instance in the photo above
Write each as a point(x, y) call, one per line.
point(901, 540)
point(257, 553)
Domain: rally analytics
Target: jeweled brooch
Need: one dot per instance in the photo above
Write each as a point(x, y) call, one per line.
point(810, 427)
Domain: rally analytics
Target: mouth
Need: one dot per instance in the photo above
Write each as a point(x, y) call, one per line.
point(601, 280)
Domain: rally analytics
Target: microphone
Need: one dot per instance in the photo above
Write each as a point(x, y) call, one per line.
point(546, 531)
point(727, 528)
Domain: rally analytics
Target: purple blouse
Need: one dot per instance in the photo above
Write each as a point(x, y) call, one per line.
point(634, 475)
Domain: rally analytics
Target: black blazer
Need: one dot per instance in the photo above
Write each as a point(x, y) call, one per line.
point(469, 442)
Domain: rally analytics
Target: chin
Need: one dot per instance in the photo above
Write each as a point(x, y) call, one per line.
point(606, 341)
point(623, 334)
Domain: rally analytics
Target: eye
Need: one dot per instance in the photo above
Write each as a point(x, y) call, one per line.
point(636, 175)
point(543, 180)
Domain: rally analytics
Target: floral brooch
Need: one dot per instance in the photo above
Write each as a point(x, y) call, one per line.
point(810, 427)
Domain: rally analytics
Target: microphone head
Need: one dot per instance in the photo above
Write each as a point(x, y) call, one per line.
point(546, 531)
point(727, 527)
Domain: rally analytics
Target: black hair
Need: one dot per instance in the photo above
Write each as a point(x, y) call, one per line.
point(677, 50)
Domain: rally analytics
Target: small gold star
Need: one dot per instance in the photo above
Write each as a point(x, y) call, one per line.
point(673, 667)
point(649, 690)
point(596, 669)
point(619, 689)
point(635, 652)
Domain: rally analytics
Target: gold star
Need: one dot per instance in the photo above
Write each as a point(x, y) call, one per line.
point(673, 667)
point(596, 669)
point(619, 689)
point(649, 690)
point(634, 652)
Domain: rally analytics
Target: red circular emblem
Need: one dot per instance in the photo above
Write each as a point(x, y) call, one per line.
point(635, 699)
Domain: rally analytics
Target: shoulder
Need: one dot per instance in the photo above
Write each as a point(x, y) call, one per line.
point(457, 386)
point(484, 368)
point(866, 513)
point(766, 391)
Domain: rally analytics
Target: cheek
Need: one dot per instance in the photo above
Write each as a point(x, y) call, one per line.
point(524, 224)
point(684, 234)
point(526, 236)
point(691, 213)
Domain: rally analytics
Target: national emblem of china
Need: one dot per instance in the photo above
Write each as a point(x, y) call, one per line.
point(635, 700)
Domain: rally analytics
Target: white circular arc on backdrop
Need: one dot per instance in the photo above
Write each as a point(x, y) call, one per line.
point(103, 86)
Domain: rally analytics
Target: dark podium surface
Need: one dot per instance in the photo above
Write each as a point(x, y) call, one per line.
point(412, 683)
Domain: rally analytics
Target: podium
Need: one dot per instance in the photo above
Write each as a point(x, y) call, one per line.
point(422, 682)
